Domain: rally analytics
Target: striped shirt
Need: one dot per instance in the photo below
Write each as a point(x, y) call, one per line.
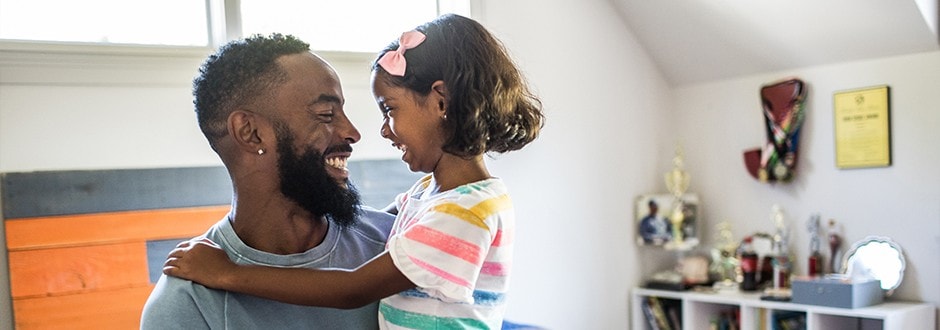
point(456, 247)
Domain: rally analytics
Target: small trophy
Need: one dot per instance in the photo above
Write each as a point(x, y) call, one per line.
point(815, 257)
point(781, 249)
point(725, 263)
point(677, 182)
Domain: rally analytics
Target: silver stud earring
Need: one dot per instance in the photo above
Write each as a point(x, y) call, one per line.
point(260, 151)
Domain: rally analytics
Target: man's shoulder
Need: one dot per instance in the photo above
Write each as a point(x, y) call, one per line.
point(179, 302)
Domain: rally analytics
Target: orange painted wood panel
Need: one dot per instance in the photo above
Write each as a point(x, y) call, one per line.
point(98, 228)
point(47, 272)
point(112, 309)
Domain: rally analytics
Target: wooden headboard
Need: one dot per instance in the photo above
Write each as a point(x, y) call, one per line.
point(86, 247)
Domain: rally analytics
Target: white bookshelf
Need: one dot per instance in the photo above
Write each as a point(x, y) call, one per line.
point(699, 308)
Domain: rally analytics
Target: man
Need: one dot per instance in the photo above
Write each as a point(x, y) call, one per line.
point(654, 229)
point(273, 112)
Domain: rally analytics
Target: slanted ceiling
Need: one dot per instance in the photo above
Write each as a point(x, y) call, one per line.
point(695, 41)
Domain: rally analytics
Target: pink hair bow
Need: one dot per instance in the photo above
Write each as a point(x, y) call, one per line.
point(393, 61)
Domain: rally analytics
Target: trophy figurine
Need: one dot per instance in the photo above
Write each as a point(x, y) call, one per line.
point(725, 263)
point(815, 257)
point(781, 249)
point(677, 181)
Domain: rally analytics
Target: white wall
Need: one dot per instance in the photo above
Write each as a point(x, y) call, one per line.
point(89, 111)
point(612, 122)
point(574, 187)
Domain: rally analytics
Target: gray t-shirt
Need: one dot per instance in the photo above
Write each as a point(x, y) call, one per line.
point(181, 304)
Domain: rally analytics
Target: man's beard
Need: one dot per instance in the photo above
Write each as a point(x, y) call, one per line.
point(305, 181)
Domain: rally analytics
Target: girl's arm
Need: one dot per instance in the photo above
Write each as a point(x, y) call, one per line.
point(203, 262)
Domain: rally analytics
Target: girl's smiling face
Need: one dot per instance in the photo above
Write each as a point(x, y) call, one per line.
point(413, 123)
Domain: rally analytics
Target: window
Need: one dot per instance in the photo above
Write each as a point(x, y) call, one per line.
point(354, 25)
point(164, 22)
point(336, 25)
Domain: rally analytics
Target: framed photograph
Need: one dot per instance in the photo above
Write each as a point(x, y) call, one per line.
point(662, 221)
point(862, 127)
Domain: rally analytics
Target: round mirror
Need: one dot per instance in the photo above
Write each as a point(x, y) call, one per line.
point(876, 257)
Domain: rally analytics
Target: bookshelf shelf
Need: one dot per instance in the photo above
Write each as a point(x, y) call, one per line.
point(699, 309)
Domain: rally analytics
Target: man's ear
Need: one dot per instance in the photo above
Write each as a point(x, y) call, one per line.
point(245, 128)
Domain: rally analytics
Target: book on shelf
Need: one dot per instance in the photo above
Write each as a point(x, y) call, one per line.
point(650, 317)
point(663, 314)
point(726, 320)
point(675, 317)
point(787, 320)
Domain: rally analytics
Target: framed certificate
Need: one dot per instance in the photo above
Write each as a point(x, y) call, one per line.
point(862, 127)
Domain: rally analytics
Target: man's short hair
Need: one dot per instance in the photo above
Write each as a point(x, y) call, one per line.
point(236, 75)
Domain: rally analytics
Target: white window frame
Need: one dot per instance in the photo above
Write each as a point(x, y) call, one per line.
point(224, 24)
point(46, 63)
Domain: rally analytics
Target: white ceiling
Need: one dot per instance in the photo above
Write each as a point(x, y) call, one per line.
point(694, 41)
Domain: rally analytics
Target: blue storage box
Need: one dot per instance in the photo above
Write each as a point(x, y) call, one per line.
point(837, 292)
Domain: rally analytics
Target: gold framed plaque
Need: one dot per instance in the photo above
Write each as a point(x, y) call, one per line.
point(862, 127)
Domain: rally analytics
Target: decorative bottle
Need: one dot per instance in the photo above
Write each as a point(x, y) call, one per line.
point(748, 265)
point(815, 257)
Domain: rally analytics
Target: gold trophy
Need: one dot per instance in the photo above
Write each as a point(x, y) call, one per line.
point(725, 263)
point(677, 182)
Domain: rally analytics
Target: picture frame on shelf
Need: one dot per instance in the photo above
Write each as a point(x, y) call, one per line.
point(658, 224)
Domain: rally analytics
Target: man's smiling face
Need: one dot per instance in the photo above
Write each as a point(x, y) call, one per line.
point(314, 138)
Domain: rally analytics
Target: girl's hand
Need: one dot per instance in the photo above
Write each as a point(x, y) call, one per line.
point(201, 261)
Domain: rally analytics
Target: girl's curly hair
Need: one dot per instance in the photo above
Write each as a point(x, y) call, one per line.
point(489, 106)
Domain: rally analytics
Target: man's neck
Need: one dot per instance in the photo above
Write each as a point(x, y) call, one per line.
point(279, 230)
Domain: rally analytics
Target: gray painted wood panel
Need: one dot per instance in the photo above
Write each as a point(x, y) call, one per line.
point(49, 193)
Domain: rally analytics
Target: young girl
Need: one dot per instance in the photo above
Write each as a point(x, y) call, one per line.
point(449, 93)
